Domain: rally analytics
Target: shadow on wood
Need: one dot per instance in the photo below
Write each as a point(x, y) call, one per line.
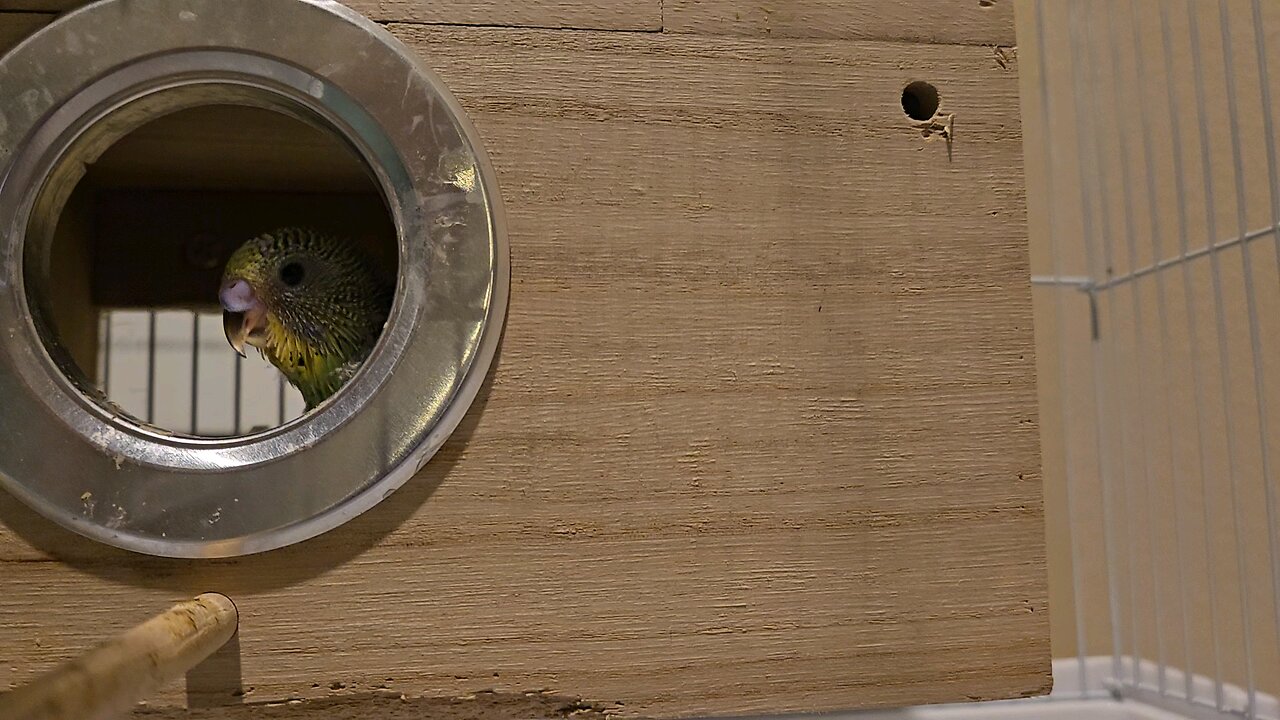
point(216, 681)
point(393, 706)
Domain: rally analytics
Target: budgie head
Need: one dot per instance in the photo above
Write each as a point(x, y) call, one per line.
point(312, 304)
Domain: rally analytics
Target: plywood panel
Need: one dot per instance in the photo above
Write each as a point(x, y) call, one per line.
point(762, 436)
point(191, 234)
point(581, 14)
point(968, 22)
point(73, 311)
point(16, 26)
point(269, 152)
point(40, 6)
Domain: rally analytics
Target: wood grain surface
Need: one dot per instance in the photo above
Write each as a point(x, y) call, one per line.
point(43, 6)
point(966, 22)
point(762, 435)
point(14, 26)
point(576, 14)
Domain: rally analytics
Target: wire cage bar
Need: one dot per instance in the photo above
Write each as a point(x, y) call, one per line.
point(1156, 263)
point(174, 369)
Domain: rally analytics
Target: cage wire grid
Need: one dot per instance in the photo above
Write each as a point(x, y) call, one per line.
point(174, 369)
point(1167, 396)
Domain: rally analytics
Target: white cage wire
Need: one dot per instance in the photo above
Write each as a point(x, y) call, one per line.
point(174, 369)
point(1155, 201)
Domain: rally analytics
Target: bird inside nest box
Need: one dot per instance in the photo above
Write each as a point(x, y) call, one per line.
point(224, 255)
point(153, 221)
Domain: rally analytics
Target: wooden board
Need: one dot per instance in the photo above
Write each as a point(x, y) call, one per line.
point(269, 152)
point(967, 22)
point(16, 26)
point(762, 436)
point(40, 6)
point(578, 14)
point(272, 171)
point(191, 234)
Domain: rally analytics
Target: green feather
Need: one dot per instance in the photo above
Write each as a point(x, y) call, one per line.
point(326, 305)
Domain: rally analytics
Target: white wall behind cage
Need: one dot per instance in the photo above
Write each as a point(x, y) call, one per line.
point(1154, 199)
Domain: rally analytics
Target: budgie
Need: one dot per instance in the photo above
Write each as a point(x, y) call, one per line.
point(312, 304)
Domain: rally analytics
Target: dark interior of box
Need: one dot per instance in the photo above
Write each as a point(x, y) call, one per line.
point(156, 217)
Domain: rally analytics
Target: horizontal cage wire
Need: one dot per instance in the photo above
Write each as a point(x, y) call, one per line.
point(175, 370)
point(1158, 291)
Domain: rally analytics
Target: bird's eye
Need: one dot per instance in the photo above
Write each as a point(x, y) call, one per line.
point(291, 274)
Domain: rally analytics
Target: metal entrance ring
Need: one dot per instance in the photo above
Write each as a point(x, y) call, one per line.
point(77, 86)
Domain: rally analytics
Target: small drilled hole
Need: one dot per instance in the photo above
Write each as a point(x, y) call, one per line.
point(920, 100)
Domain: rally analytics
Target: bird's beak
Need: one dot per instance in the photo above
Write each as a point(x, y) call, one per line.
point(233, 326)
point(244, 318)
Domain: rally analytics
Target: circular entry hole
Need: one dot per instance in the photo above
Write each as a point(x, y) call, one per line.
point(127, 289)
point(920, 101)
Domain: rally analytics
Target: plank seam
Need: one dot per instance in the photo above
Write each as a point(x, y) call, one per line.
point(759, 39)
point(502, 26)
point(828, 38)
point(660, 30)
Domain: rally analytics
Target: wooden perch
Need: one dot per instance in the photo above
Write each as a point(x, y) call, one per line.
point(112, 677)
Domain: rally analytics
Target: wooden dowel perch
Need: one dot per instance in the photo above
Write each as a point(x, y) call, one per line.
point(112, 677)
